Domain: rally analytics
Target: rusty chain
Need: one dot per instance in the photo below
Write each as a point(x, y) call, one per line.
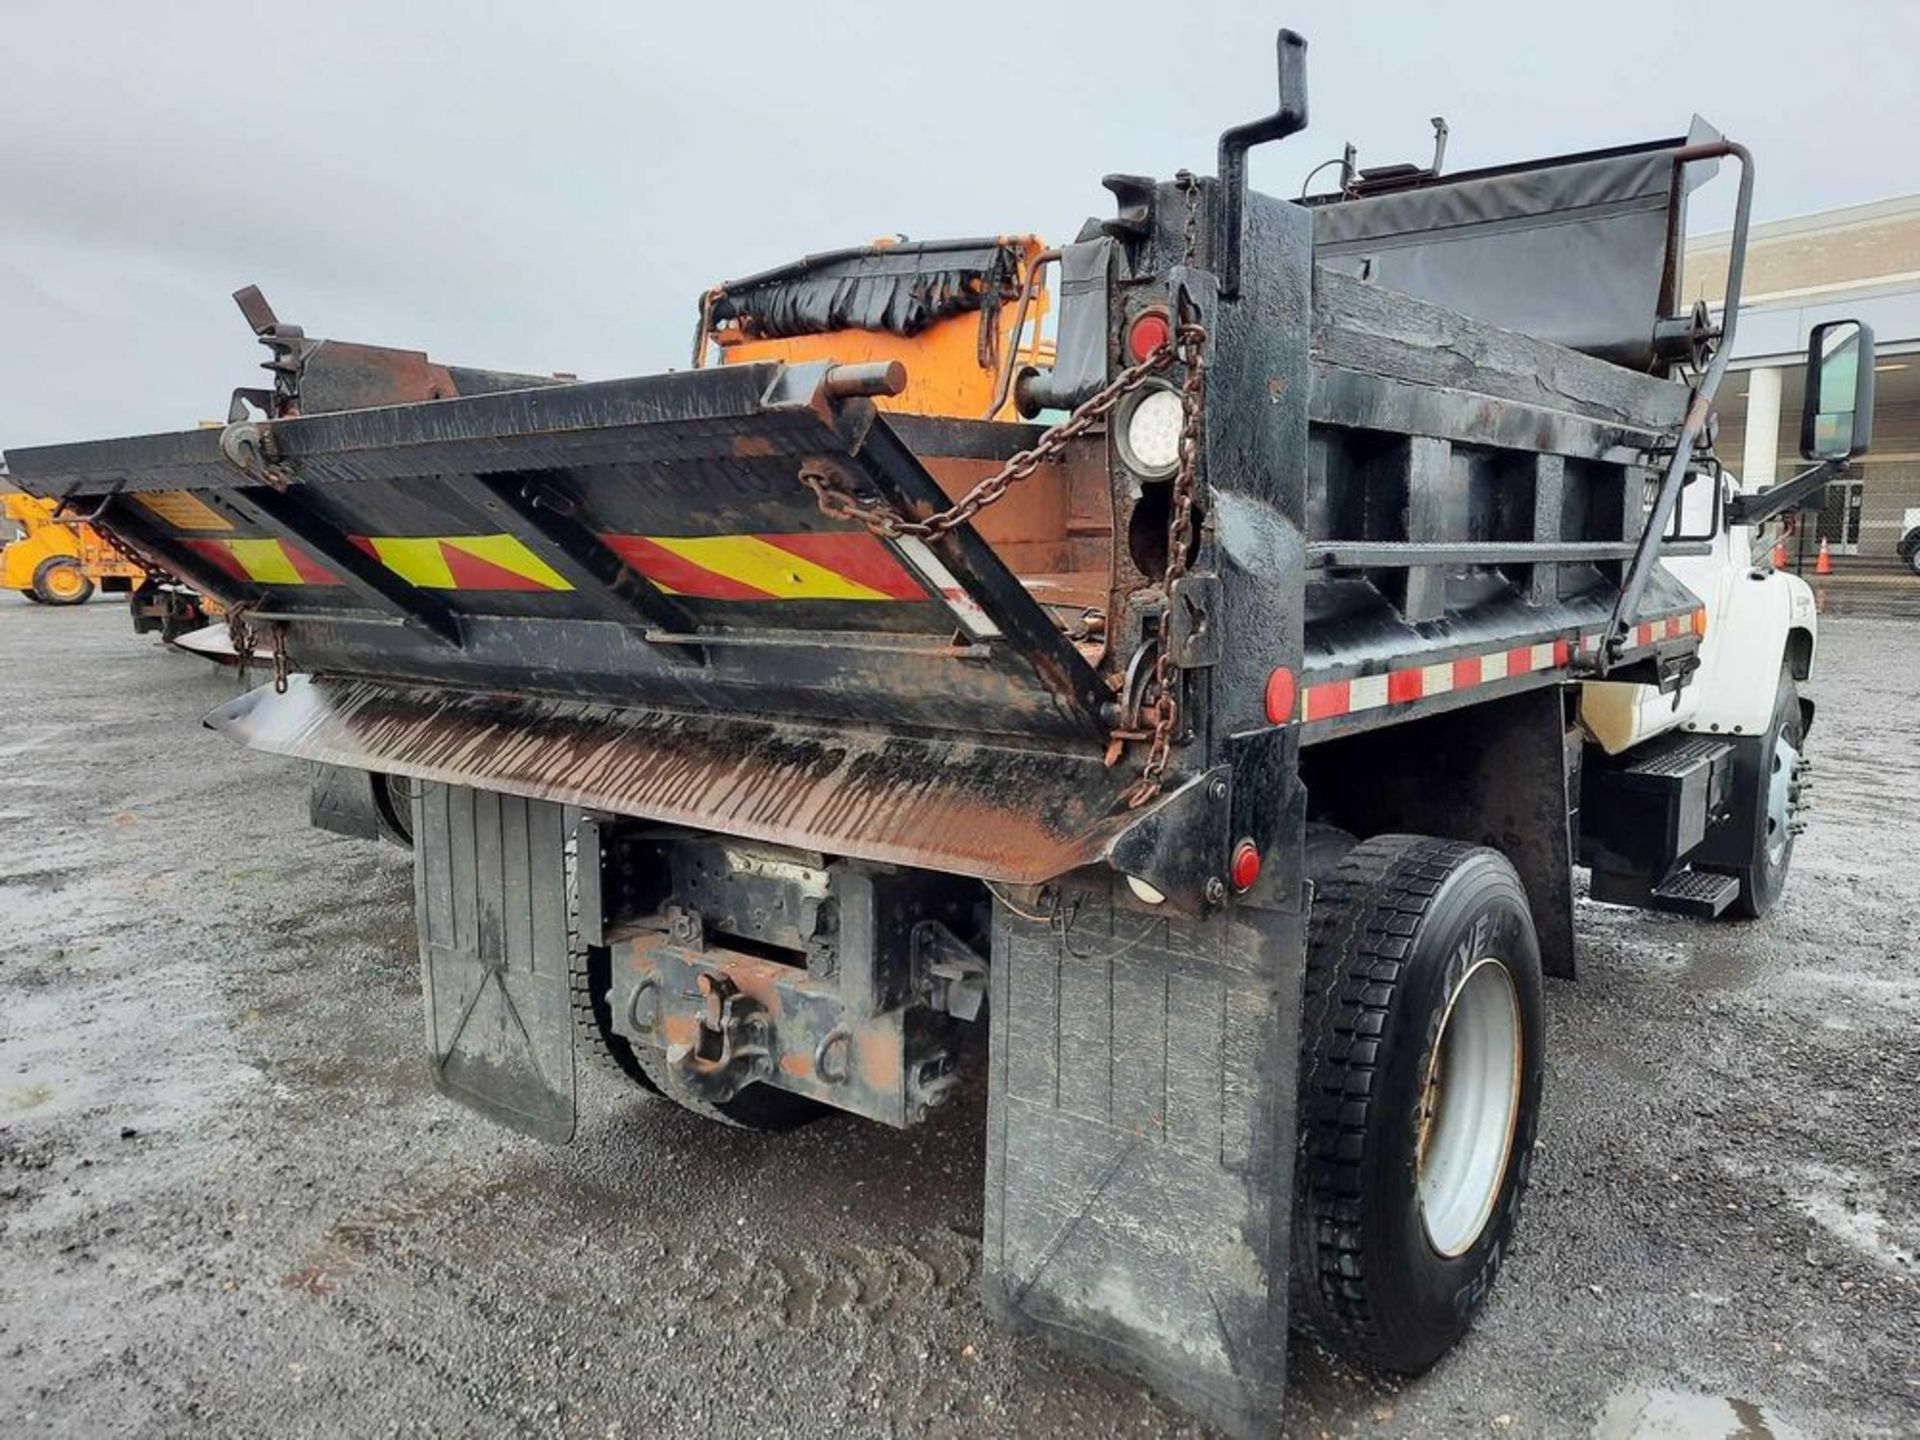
point(1187, 345)
point(245, 642)
point(1191, 339)
point(240, 635)
point(838, 503)
point(1165, 706)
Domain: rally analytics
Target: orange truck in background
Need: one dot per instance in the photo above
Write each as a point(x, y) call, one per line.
point(56, 560)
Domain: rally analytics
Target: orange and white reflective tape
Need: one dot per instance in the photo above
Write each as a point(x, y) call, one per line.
point(1330, 699)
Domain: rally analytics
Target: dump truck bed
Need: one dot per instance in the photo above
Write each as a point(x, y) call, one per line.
point(620, 594)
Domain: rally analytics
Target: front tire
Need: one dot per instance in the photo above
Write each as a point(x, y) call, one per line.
point(1764, 879)
point(60, 580)
point(1420, 1077)
point(1910, 549)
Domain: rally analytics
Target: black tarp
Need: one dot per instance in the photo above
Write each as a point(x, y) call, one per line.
point(1580, 250)
point(899, 288)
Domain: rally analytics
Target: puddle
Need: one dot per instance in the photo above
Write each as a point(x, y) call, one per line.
point(1847, 1206)
point(1717, 963)
point(14, 1099)
point(1679, 1415)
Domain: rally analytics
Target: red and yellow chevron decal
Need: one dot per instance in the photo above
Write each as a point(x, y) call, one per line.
point(463, 562)
point(831, 565)
point(262, 562)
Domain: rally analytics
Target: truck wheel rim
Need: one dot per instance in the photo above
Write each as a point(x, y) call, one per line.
point(63, 581)
point(1780, 798)
point(1469, 1107)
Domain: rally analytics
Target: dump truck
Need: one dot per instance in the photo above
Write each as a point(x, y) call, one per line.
point(802, 730)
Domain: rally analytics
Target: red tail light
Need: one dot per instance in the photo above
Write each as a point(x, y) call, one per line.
point(1147, 334)
point(1245, 868)
point(1281, 694)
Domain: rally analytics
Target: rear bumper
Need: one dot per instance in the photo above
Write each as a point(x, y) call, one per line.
point(963, 807)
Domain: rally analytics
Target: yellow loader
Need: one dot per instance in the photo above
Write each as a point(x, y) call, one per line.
point(56, 560)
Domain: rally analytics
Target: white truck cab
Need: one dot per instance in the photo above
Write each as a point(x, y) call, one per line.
point(1715, 760)
point(1756, 620)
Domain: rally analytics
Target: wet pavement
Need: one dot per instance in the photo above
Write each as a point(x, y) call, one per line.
point(230, 1203)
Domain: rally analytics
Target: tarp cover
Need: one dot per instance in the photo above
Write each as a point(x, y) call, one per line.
point(897, 288)
point(1575, 250)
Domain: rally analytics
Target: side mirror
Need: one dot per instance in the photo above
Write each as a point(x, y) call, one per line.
point(1836, 419)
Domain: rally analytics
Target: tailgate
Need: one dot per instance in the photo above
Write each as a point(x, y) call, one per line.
point(620, 596)
point(637, 541)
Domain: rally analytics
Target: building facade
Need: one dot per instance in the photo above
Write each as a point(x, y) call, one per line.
point(1862, 263)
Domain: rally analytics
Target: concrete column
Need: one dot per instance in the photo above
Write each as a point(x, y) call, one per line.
point(1760, 446)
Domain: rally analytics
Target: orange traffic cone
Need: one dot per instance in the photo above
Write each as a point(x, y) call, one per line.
point(1824, 564)
point(1780, 553)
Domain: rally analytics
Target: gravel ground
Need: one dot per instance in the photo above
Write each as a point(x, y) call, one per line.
point(230, 1203)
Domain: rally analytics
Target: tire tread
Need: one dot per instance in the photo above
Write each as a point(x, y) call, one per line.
point(1361, 932)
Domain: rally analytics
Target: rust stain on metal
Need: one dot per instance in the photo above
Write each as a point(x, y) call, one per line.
point(879, 1066)
point(959, 806)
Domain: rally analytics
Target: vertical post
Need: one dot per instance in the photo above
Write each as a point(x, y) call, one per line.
point(1760, 445)
point(1549, 521)
point(1429, 467)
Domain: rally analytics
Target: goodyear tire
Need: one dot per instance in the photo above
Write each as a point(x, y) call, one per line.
point(59, 580)
point(1420, 1077)
point(1774, 804)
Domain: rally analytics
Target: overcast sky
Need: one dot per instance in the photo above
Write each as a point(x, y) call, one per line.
point(549, 186)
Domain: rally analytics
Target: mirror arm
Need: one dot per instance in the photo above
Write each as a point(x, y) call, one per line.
point(1776, 500)
point(1626, 605)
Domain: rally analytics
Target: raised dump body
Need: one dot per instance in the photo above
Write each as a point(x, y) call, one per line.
point(784, 728)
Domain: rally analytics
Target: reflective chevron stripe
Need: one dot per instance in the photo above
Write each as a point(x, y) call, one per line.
point(819, 565)
point(828, 565)
point(1330, 699)
point(463, 562)
point(261, 562)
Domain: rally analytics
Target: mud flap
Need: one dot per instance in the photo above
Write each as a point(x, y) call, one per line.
point(490, 898)
point(1140, 1143)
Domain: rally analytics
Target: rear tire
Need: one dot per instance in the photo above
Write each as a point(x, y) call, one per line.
point(1420, 1078)
point(59, 580)
point(33, 597)
point(758, 1107)
point(590, 977)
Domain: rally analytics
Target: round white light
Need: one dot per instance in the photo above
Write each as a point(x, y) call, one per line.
point(1151, 434)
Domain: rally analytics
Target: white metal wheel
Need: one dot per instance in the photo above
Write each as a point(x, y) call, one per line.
point(1781, 794)
point(1469, 1107)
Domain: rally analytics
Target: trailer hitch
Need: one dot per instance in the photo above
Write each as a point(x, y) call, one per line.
point(729, 1048)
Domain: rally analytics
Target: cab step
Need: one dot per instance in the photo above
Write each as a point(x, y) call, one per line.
point(1699, 893)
